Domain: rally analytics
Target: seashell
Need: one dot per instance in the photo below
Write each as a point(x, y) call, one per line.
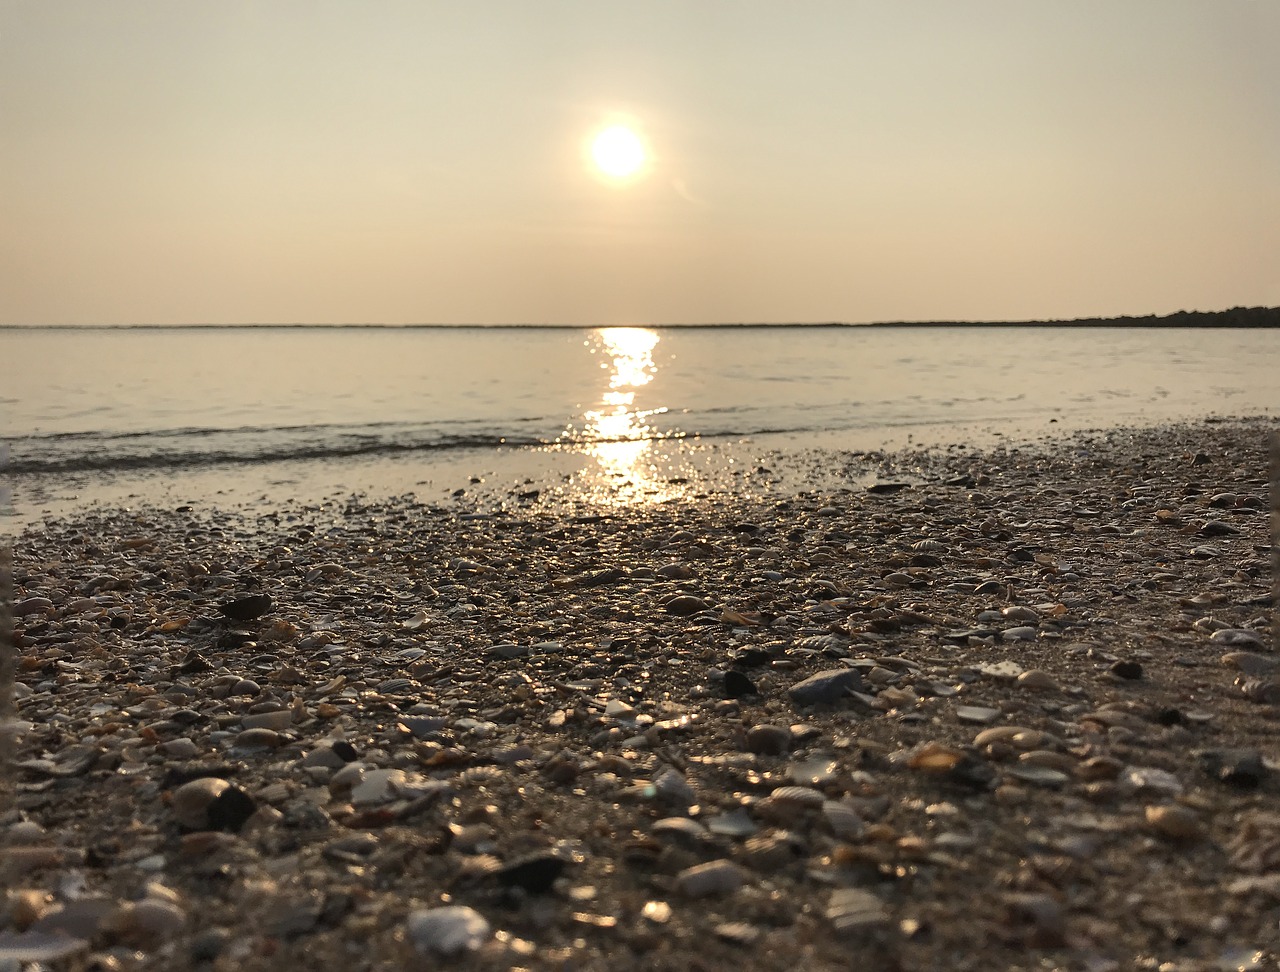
point(844, 821)
point(190, 802)
point(681, 828)
point(1020, 612)
point(1046, 757)
point(1259, 690)
point(1250, 663)
point(736, 823)
point(934, 757)
point(929, 545)
point(279, 719)
point(979, 714)
point(1099, 768)
point(447, 931)
point(787, 804)
point(853, 909)
point(816, 770)
point(479, 775)
point(1039, 679)
point(769, 740)
point(997, 734)
point(1255, 846)
point(1039, 775)
point(1175, 821)
point(671, 787)
point(1148, 778)
point(1237, 638)
point(714, 877)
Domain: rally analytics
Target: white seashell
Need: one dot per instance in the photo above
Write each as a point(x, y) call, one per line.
point(447, 931)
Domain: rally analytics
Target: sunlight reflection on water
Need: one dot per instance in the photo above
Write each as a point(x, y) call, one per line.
point(617, 433)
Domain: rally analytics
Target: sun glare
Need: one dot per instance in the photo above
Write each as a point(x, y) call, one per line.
point(618, 152)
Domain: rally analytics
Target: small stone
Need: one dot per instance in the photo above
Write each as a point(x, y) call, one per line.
point(447, 931)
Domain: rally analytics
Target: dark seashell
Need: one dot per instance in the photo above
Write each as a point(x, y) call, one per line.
point(751, 657)
point(1242, 768)
point(231, 640)
point(1130, 670)
point(736, 685)
point(686, 605)
point(230, 809)
point(534, 874)
point(344, 749)
point(247, 608)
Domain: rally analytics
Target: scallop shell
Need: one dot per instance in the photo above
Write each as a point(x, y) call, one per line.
point(929, 545)
point(787, 804)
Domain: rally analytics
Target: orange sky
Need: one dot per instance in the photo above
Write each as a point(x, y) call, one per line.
point(407, 161)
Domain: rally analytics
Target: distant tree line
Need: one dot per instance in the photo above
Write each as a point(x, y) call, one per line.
point(1235, 317)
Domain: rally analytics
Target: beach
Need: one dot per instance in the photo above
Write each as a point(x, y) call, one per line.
point(997, 707)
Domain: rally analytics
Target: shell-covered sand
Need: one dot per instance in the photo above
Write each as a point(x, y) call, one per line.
point(1013, 709)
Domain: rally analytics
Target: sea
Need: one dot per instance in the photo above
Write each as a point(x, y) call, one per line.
point(118, 415)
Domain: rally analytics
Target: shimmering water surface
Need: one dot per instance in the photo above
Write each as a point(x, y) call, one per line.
point(113, 401)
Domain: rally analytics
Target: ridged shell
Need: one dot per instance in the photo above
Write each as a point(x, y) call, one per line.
point(843, 820)
point(929, 545)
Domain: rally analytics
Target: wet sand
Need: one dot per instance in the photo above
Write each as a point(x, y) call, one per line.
point(951, 708)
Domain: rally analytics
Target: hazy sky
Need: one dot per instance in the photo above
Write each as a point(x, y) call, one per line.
point(414, 161)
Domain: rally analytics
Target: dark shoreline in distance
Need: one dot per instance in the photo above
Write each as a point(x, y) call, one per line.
point(1235, 317)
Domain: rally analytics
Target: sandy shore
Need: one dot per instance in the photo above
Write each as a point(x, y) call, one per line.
point(1002, 709)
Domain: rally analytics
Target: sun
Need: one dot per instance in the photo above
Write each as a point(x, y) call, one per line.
point(618, 152)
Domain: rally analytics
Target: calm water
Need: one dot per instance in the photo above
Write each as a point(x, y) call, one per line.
point(113, 399)
point(126, 415)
